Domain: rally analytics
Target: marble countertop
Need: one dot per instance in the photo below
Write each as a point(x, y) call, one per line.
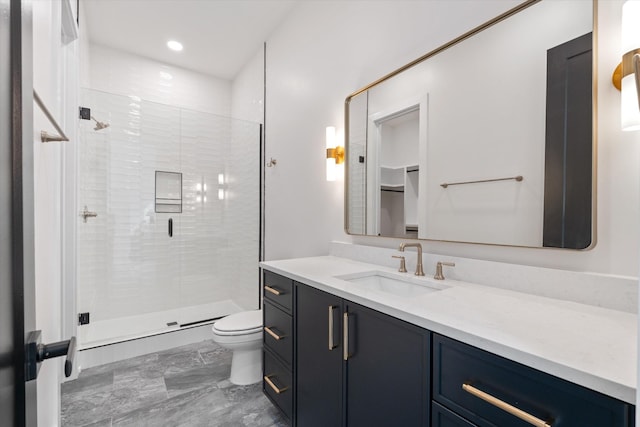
point(587, 345)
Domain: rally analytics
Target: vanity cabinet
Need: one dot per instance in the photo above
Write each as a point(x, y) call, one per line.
point(278, 338)
point(357, 366)
point(335, 363)
point(487, 390)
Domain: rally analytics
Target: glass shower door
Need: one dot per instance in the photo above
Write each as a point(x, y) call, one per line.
point(143, 270)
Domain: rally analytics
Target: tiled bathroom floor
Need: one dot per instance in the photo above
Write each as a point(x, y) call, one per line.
point(184, 386)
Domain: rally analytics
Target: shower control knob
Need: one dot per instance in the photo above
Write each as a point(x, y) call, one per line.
point(86, 213)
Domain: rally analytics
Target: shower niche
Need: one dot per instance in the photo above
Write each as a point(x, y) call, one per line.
point(168, 192)
point(151, 168)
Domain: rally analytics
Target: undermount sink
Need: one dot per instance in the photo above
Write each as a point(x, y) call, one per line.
point(392, 284)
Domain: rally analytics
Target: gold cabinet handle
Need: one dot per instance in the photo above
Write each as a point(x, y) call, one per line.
point(332, 343)
point(273, 334)
point(272, 290)
point(275, 388)
point(345, 336)
point(525, 416)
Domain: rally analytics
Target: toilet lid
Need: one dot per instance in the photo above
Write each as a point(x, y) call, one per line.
point(241, 323)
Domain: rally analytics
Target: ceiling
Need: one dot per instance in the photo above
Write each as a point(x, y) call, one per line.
point(219, 36)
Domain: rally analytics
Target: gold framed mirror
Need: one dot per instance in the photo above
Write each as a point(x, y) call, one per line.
point(488, 139)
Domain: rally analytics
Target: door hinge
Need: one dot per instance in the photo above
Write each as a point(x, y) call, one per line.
point(83, 318)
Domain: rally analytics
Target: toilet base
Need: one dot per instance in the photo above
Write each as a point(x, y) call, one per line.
point(246, 367)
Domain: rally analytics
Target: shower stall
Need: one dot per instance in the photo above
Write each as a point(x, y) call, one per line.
point(169, 231)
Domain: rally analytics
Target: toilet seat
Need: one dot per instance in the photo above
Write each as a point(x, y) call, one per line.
point(244, 323)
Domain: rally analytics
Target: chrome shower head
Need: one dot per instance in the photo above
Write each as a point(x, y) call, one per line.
point(99, 125)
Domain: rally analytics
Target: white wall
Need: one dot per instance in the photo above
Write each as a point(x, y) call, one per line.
point(247, 90)
point(310, 71)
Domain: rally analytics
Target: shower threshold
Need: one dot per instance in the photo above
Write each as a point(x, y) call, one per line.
point(111, 331)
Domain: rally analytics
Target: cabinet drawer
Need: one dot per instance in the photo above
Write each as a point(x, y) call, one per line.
point(278, 332)
point(278, 384)
point(557, 402)
point(279, 290)
point(442, 417)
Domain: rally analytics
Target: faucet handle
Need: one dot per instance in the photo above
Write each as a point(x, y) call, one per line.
point(439, 264)
point(403, 265)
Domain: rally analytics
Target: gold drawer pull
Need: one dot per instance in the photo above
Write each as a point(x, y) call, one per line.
point(273, 334)
point(345, 336)
point(332, 343)
point(275, 388)
point(525, 416)
point(273, 290)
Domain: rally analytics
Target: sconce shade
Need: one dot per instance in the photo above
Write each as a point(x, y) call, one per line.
point(630, 73)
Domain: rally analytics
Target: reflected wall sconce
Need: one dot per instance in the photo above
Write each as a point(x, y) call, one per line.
point(626, 76)
point(201, 191)
point(221, 186)
point(335, 155)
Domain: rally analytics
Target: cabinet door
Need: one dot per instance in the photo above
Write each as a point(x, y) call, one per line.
point(387, 370)
point(319, 358)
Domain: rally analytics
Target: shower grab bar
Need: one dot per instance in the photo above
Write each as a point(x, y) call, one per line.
point(44, 135)
point(517, 178)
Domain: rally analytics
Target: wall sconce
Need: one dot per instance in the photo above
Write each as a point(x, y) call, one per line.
point(335, 155)
point(626, 77)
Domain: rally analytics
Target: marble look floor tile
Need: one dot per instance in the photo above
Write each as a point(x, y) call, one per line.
point(192, 409)
point(103, 423)
point(186, 386)
point(180, 362)
point(131, 391)
point(196, 378)
point(102, 381)
point(201, 346)
point(122, 365)
point(86, 409)
point(217, 355)
point(256, 411)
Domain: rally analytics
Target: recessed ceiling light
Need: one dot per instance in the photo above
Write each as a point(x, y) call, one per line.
point(174, 45)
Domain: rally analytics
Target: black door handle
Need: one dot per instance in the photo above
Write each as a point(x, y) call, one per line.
point(38, 352)
point(170, 227)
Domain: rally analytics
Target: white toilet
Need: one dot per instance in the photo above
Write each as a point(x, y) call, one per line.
point(242, 334)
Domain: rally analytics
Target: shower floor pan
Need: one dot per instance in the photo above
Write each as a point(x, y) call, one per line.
point(106, 332)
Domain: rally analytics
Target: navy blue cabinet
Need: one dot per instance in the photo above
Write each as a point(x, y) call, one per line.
point(278, 342)
point(356, 366)
point(387, 370)
point(489, 390)
point(329, 362)
point(442, 417)
point(319, 366)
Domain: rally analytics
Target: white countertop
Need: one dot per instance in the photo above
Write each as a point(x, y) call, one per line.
point(587, 345)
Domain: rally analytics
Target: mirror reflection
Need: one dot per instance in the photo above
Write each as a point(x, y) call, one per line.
point(488, 140)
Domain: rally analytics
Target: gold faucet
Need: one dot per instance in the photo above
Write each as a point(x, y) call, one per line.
point(403, 265)
point(439, 275)
point(419, 270)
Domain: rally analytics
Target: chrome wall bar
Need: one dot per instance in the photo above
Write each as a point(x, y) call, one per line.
point(517, 178)
point(44, 135)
